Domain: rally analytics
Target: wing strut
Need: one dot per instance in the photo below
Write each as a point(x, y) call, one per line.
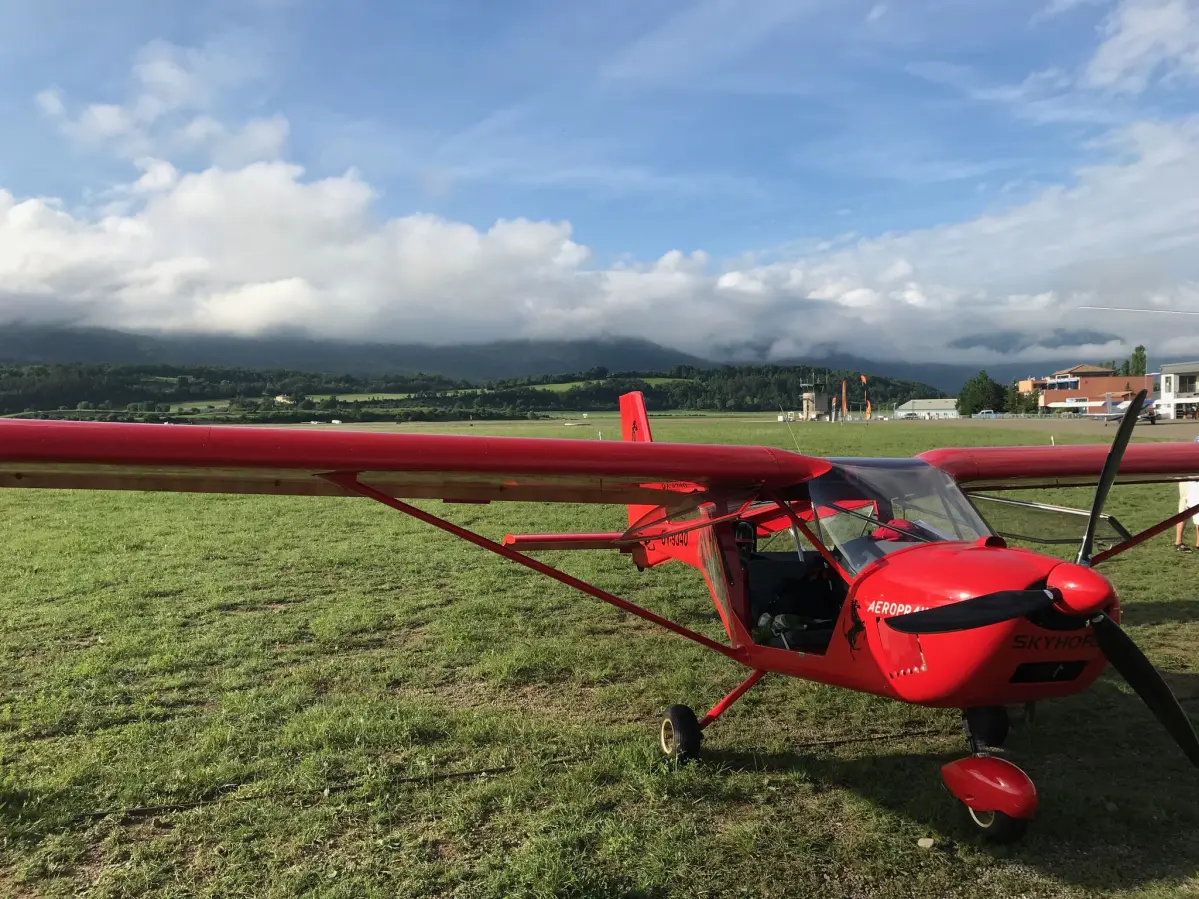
point(798, 524)
point(349, 481)
point(1144, 535)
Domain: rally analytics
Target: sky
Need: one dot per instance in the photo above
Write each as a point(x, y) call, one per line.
point(920, 180)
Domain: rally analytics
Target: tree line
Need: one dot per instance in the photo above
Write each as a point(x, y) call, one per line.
point(137, 392)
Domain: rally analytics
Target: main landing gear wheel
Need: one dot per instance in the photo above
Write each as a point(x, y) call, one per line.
point(680, 736)
point(995, 827)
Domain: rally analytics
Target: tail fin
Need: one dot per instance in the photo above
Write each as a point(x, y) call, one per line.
point(634, 428)
point(634, 422)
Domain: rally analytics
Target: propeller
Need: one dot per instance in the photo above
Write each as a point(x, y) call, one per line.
point(991, 608)
point(1108, 477)
point(1140, 674)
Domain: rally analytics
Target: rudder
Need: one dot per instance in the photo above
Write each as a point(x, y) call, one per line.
point(634, 421)
point(634, 428)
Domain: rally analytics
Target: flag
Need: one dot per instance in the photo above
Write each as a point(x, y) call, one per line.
point(866, 397)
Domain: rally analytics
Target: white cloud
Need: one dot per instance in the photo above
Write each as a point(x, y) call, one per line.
point(173, 94)
point(258, 139)
point(706, 35)
point(1054, 8)
point(245, 250)
point(50, 102)
point(248, 242)
point(1140, 40)
point(1143, 36)
point(158, 175)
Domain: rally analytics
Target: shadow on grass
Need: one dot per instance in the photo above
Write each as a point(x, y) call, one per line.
point(28, 816)
point(1182, 611)
point(1117, 795)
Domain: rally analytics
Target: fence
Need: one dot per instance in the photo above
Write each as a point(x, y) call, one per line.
point(1044, 415)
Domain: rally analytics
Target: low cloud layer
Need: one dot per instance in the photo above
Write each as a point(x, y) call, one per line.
point(245, 242)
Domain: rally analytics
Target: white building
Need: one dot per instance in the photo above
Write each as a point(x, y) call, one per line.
point(928, 409)
point(1179, 394)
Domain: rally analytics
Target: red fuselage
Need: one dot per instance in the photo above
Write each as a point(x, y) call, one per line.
point(1012, 662)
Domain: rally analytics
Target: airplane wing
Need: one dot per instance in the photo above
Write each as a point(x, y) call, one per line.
point(249, 459)
point(1025, 467)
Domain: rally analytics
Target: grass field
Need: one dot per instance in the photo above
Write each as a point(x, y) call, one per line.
point(312, 688)
point(202, 404)
point(567, 385)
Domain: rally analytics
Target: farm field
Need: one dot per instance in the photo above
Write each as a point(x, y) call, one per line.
point(252, 696)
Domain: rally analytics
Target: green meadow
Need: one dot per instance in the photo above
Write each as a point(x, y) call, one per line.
point(229, 696)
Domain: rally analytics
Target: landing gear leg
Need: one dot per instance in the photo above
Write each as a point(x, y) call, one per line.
point(986, 726)
point(682, 733)
point(998, 798)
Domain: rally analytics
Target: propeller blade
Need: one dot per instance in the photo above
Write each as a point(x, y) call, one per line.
point(991, 608)
point(1108, 477)
point(1140, 674)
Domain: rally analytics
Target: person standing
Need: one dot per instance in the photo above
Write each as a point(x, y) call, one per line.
point(1188, 496)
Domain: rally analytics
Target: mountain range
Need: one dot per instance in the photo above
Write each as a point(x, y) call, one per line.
point(47, 344)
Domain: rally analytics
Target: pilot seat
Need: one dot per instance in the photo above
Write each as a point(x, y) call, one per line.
point(795, 598)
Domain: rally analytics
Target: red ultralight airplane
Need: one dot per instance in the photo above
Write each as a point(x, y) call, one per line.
point(896, 585)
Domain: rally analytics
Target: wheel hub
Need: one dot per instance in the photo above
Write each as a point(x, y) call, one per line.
point(982, 819)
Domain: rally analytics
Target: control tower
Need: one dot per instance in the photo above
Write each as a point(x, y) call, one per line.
point(817, 402)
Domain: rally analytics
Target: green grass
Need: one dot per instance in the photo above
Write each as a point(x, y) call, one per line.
point(309, 669)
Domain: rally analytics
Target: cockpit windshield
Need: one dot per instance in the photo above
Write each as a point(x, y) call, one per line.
point(868, 508)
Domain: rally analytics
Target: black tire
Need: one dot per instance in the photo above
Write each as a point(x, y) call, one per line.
point(680, 735)
point(988, 724)
point(995, 827)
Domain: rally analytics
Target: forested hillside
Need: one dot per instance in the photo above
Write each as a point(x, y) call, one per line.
point(158, 392)
point(26, 344)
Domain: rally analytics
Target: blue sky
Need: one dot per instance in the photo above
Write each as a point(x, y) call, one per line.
point(808, 147)
point(648, 125)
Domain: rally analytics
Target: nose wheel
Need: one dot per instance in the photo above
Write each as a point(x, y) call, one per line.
point(996, 827)
point(997, 798)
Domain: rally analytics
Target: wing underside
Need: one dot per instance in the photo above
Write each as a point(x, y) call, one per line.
point(286, 461)
point(988, 475)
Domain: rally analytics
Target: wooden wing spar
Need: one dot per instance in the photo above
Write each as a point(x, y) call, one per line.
point(294, 461)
